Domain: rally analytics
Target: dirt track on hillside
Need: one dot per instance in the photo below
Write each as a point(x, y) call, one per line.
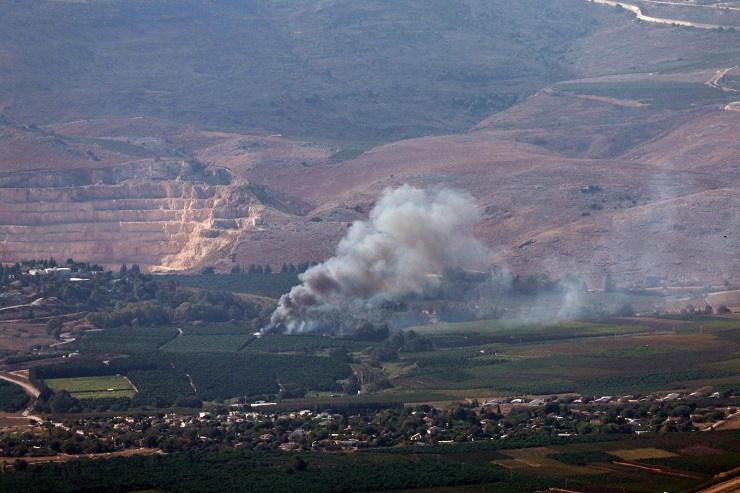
point(20, 377)
point(104, 455)
point(689, 5)
point(637, 11)
point(730, 486)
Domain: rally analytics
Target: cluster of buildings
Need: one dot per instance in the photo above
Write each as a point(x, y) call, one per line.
point(241, 426)
point(62, 273)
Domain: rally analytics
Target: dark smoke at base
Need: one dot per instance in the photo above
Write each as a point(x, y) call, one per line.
point(411, 237)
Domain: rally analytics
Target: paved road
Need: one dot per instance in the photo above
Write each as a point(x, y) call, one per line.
point(658, 20)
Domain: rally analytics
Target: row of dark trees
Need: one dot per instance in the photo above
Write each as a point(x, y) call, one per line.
point(286, 268)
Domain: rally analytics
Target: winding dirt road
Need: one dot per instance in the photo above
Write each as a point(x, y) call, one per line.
point(20, 377)
point(731, 486)
point(716, 80)
point(715, 6)
point(659, 20)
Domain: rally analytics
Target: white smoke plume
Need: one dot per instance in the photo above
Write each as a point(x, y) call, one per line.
point(410, 238)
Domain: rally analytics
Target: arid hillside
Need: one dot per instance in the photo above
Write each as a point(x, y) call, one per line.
point(631, 218)
point(616, 156)
point(141, 191)
point(331, 69)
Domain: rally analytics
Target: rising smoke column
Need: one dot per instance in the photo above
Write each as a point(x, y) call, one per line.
point(410, 236)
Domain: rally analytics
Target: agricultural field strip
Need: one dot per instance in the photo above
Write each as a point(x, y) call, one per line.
point(514, 329)
point(534, 364)
point(619, 459)
point(200, 343)
point(93, 387)
point(539, 457)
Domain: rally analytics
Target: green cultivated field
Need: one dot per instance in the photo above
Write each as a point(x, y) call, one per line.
point(499, 357)
point(217, 343)
point(469, 360)
point(127, 340)
point(270, 285)
point(93, 387)
point(162, 377)
point(516, 331)
point(211, 338)
point(278, 343)
point(674, 95)
point(505, 466)
point(160, 386)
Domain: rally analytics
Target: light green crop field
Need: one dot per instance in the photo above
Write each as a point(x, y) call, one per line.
point(93, 387)
point(216, 343)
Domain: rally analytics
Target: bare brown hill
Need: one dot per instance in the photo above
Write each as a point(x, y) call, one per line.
point(622, 162)
point(161, 195)
point(627, 218)
point(561, 206)
point(710, 141)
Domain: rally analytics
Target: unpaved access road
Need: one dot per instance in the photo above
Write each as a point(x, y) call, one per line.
point(658, 20)
point(716, 80)
point(731, 486)
point(61, 457)
point(20, 377)
point(714, 6)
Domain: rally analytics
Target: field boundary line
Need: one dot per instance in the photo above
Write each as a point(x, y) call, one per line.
point(177, 334)
point(136, 389)
point(657, 470)
point(247, 343)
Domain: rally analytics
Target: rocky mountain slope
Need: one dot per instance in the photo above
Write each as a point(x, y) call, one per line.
point(104, 199)
point(628, 170)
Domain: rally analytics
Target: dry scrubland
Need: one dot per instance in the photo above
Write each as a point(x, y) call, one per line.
point(596, 102)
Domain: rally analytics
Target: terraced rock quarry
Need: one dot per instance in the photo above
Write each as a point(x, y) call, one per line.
point(155, 213)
